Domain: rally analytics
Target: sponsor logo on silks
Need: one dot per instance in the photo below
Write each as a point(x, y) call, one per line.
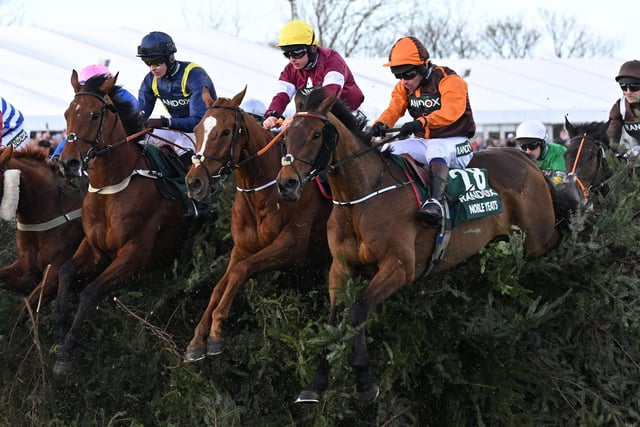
point(632, 127)
point(463, 149)
point(18, 139)
point(471, 188)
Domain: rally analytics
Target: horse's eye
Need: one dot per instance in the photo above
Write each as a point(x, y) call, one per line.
point(95, 116)
point(225, 133)
point(317, 135)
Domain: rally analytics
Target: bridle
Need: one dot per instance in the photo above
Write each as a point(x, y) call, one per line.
point(321, 164)
point(596, 182)
point(95, 151)
point(228, 166)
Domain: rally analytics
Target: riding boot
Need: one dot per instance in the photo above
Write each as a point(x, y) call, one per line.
point(431, 210)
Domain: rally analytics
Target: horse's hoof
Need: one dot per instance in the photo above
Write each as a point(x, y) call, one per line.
point(62, 368)
point(369, 395)
point(193, 354)
point(308, 396)
point(214, 346)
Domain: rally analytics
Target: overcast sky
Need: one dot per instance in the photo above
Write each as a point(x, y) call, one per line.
point(261, 20)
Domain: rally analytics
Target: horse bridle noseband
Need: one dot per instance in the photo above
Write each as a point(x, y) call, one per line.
point(228, 166)
point(321, 163)
point(94, 151)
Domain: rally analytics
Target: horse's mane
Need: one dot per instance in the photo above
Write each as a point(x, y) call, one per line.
point(128, 112)
point(313, 100)
point(595, 129)
point(35, 152)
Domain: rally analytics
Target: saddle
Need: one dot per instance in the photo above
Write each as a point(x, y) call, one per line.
point(416, 169)
point(171, 182)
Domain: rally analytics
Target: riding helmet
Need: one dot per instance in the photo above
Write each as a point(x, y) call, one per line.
point(92, 71)
point(297, 33)
point(407, 53)
point(156, 43)
point(531, 131)
point(629, 72)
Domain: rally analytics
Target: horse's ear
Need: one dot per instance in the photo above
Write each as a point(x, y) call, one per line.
point(108, 84)
point(571, 129)
point(74, 81)
point(206, 97)
point(328, 102)
point(237, 100)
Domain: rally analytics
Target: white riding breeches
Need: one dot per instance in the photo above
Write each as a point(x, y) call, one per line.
point(455, 150)
point(180, 141)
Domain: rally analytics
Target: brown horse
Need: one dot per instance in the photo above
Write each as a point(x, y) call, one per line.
point(585, 157)
point(129, 225)
point(47, 208)
point(267, 235)
point(373, 231)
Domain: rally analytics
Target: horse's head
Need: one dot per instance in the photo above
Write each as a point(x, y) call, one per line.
point(310, 141)
point(93, 123)
point(222, 138)
point(585, 157)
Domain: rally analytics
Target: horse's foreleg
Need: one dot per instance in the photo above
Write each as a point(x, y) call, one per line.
point(320, 381)
point(197, 348)
point(120, 269)
point(16, 279)
point(389, 278)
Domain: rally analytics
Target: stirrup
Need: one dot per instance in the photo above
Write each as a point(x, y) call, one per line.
point(428, 214)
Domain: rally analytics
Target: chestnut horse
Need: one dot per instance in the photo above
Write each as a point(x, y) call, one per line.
point(373, 230)
point(48, 209)
point(129, 226)
point(267, 234)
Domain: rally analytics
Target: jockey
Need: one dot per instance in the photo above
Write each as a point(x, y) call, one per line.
point(85, 74)
point(13, 132)
point(310, 66)
point(531, 137)
point(178, 85)
point(624, 118)
point(438, 100)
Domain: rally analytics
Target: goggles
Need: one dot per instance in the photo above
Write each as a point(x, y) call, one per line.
point(407, 75)
point(296, 54)
point(529, 146)
point(154, 60)
point(633, 87)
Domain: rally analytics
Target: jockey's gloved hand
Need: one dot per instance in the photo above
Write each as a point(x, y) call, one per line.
point(413, 127)
point(379, 129)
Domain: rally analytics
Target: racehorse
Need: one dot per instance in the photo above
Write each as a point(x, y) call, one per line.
point(47, 208)
point(373, 230)
point(585, 157)
point(267, 235)
point(129, 226)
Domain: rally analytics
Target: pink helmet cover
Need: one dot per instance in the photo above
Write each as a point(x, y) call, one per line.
point(91, 71)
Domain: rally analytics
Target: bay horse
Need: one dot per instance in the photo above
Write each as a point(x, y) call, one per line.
point(129, 226)
point(48, 229)
point(267, 235)
point(373, 229)
point(585, 158)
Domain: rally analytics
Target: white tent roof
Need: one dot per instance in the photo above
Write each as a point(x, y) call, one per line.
point(37, 64)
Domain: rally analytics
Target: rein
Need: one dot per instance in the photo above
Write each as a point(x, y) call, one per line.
point(585, 190)
point(228, 167)
point(329, 143)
